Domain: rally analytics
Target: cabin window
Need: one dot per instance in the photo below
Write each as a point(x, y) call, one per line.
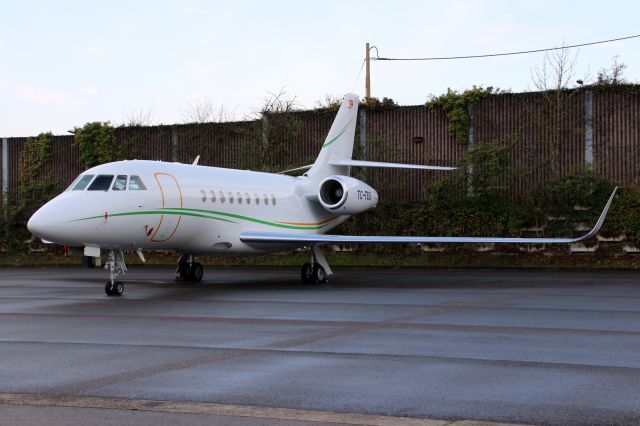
point(83, 182)
point(135, 184)
point(203, 195)
point(230, 197)
point(273, 199)
point(266, 200)
point(101, 183)
point(213, 196)
point(120, 184)
point(221, 196)
point(239, 198)
point(247, 198)
point(257, 198)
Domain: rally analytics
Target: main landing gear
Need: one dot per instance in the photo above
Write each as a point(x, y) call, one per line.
point(189, 270)
point(115, 265)
point(318, 270)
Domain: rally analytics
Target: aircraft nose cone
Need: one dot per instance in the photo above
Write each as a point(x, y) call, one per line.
point(36, 224)
point(56, 221)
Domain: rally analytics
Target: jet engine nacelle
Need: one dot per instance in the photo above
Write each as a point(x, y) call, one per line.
point(346, 195)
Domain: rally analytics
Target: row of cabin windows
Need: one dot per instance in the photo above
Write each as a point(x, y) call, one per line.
point(103, 183)
point(239, 198)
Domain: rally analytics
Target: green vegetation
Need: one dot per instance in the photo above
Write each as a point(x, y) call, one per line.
point(456, 105)
point(375, 104)
point(559, 208)
point(97, 143)
point(399, 257)
point(36, 185)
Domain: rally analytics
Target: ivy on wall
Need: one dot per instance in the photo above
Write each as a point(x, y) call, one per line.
point(456, 106)
point(36, 185)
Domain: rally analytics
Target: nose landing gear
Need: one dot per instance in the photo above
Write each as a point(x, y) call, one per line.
point(116, 266)
point(115, 288)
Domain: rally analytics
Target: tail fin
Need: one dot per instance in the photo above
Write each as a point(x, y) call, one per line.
point(339, 142)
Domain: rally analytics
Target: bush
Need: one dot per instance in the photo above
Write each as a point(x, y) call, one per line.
point(573, 200)
point(97, 143)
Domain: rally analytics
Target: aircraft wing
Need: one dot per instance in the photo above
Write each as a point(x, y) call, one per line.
point(275, 237)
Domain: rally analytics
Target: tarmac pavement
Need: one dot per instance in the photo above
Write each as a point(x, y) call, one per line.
point(255, 346)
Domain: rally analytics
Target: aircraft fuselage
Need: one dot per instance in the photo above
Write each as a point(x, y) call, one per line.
point(194, 209)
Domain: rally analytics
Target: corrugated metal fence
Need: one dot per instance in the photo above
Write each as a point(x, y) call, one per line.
point(597, 127)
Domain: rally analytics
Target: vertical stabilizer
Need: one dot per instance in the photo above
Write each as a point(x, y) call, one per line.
point(339, 142)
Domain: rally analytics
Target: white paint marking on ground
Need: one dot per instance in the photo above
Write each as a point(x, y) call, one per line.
point(228, 410)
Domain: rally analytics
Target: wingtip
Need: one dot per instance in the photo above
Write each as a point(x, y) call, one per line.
point(601, 219)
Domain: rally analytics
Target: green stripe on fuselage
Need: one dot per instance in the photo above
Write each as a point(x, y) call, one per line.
point(155, 213)
point(205, 214)
point(249, 219)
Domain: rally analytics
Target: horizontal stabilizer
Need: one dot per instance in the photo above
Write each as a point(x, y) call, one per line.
point(286, 238)
point(359, 163)
point(297, 169)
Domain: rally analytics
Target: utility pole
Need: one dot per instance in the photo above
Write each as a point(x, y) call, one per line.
point(367, 84)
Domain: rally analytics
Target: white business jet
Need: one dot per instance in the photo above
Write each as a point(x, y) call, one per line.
point(198, 210)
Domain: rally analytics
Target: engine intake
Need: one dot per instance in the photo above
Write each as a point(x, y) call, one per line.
point(346, 195)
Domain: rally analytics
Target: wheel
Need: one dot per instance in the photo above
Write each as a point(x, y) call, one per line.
point(319, 274)
point(195, 272)
point(118, 288)
point(307, 273)
point(108, 288)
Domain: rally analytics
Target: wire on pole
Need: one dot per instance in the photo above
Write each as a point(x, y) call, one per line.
point(489, 55)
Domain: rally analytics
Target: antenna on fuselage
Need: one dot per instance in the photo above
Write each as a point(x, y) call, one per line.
point(195, 162)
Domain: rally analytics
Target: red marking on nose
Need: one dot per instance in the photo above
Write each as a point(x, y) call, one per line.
point(149, 230)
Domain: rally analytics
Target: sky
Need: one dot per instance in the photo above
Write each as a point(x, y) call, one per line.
point(65, 63)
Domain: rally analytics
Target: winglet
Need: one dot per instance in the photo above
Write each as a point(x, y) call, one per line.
point(600, 221)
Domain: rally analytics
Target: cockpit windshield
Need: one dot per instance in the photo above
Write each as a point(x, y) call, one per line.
point(101, 183)
point(82, 183)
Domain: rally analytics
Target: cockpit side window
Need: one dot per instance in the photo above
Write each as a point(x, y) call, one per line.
point(120, 184)
point(101, 183)
point(135, 184)
point(82, 183)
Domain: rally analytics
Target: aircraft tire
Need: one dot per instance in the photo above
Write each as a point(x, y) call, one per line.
point(118, 288)
point(195, 272)
point(108, 288)
point(306, 273)
point(319, 275)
